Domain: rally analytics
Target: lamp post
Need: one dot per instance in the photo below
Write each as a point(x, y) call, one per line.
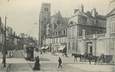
point(95, 40)
point(4, 46)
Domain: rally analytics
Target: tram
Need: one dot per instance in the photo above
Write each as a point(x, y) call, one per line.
point(30, 53)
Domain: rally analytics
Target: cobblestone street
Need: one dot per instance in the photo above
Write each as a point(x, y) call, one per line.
point(49, 63)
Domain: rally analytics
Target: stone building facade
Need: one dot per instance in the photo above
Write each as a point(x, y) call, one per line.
point(89, 32)
point(58, 32)
point(82, 30)
point(111, 31)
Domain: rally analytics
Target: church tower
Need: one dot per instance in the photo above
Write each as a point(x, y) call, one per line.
point(44, 20)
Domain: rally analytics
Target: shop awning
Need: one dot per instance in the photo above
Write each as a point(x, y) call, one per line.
point(61, 47)
point(46, 47)
point(42, 47)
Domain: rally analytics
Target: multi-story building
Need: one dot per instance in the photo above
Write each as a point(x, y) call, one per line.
point(1, 34)
point(82, 27)
point(9, 40)
point(89, 32)
point(58, 35)
point(110, 35)
point(83, 32)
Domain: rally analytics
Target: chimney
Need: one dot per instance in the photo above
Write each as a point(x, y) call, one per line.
point(75, 10)
point(94, 12)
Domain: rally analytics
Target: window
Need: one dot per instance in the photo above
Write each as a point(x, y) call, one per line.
point(56, 33)
point(64, 32)
point(80, 33)
point(55, 26)
point(45, 19)
point(71, 22)
point(58, 22)
point(59, 32)
point(45, 9)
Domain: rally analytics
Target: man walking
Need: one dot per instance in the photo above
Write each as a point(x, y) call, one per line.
point(59, 62)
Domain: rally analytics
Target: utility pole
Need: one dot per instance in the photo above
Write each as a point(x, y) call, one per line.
point(4, 46)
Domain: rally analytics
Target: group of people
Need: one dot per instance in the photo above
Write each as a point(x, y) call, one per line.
point(37, 63)
point(91, 58)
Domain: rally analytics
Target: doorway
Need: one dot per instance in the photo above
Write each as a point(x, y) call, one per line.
point(89, 48)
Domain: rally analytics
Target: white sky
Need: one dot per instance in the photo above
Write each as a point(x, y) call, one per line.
point(24, 14)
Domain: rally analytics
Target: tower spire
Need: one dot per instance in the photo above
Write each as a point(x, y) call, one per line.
point(82, 8)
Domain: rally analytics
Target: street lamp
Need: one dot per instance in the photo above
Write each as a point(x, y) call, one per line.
point(95, 38)
point(4, 46)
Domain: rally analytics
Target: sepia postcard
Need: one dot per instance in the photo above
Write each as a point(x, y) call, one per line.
point(57, 35)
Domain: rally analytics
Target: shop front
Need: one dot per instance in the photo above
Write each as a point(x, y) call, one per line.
point(59, 49)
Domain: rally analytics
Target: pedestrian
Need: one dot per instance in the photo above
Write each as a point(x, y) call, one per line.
point(90, 58)
point(75, 58)
point(59, 62)
point(37, 64)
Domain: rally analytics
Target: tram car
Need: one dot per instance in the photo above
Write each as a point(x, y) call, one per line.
point(30, 53)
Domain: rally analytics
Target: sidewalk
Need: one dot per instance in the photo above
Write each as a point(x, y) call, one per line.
point(2, 69)
point(93, 68)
